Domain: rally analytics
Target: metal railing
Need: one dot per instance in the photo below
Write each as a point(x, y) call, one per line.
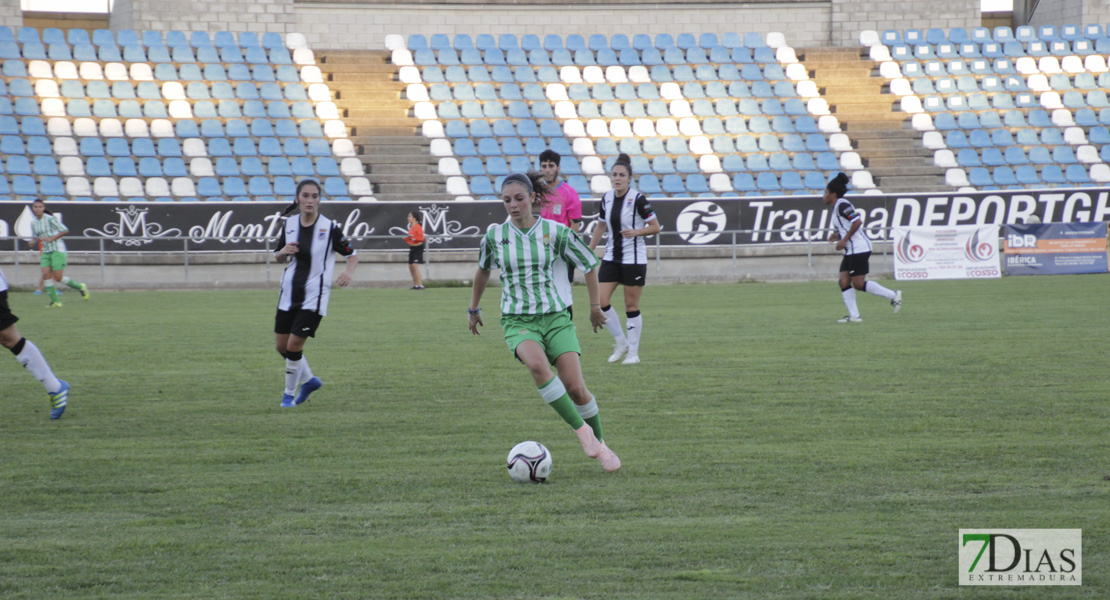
point(811, 238)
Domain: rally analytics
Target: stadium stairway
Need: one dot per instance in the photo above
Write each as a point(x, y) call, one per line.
point(891, 150)
point(370, 99)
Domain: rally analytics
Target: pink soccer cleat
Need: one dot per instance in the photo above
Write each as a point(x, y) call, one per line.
point(590, 445)
point(609, 460)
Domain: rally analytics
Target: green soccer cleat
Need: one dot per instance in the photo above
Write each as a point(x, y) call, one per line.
point(54, 305)
point(84, 289)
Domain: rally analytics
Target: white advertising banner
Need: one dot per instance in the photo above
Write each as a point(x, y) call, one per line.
point(958, 252)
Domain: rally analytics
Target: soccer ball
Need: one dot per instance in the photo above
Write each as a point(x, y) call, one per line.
point(529, 462)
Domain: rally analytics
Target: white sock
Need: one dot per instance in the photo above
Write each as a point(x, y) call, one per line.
point(613, 325)
point(33, 361)
point(873, 288)
point(587, 410)
point(633, 329)
point(850, 301)
point(305, 373)
point(292, 370)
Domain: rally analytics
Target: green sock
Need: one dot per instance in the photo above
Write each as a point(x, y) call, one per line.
point(71, 283)
point(52, 292)
point(555, 394)
point(595, 423)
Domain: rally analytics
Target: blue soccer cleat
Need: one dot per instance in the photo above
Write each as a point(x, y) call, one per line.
point(287, 401)
point(307, 388)
point(58, 400)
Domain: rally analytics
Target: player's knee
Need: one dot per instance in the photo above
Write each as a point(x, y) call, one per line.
point(578, 392)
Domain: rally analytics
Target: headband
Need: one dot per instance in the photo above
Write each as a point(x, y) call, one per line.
point(520, 178)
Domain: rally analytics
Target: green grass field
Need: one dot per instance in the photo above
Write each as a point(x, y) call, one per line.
point(769, 452)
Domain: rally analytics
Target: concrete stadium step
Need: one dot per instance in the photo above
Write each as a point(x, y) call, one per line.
point(380, 122)
point(881, 135)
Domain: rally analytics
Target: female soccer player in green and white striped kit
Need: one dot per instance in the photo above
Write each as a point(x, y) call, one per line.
point(534, 316)
point(49, 230)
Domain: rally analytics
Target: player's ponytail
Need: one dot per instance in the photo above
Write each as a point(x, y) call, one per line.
point(295, 206)
point(534, 182)
point(838, 185)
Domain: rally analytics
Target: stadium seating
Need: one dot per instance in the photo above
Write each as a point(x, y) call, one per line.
point(1014, 106)
point(680, 107)
point(141, 115)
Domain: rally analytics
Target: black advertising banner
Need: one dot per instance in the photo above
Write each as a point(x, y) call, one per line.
point(770, 220)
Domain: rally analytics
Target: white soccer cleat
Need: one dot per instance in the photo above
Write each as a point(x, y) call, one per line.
point(631, 359)
point(897, 301)
point(850, 319)
point(618, 352)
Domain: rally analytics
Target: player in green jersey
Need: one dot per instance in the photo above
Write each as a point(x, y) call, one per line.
point(534, 315)
point(48, 231)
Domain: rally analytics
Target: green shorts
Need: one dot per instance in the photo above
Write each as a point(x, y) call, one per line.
point(554, 332)
point(55, 260)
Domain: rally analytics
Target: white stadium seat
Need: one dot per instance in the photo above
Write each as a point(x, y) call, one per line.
point(432, 129)
point(201, 166)
point(78, 186)
point(449, 167)
point(666, 127)
point(690, 126)
point(295, 40)
point(343, 147)
point(111, 128)
point(599, 184)
point(90, 71)
point(583, 147)
point(570, 74)
point(955, 177)
point(720, 183)
point(65, 69)
point(352, 167)
point(592, 165)
point(312, 74)
point(136, 128)
point(141, 72)
point(851, 161)
point(620, 128)
point(303, 56)
point(457, 186)
point(945, 159)
point(183, 187)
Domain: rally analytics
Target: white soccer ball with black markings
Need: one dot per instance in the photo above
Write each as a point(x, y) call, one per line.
point(529, 462)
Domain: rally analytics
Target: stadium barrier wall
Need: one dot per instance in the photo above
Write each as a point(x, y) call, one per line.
point(224, 243)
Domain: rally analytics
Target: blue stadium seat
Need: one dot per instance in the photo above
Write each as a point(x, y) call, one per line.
point(1052, 174)
point(1015, 155)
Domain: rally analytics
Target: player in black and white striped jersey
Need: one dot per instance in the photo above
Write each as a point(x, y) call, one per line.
point(28, 355)
point(857, 251)
point(628, 216)
point(310, 242)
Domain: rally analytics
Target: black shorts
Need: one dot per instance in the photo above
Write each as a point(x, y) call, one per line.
point(416, 255)
point(301, 323)
point(856, 264)
point(7, 319)
point(630, 275)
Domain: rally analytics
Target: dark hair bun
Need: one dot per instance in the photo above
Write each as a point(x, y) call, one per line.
point(623, 159)
point(842, 179)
